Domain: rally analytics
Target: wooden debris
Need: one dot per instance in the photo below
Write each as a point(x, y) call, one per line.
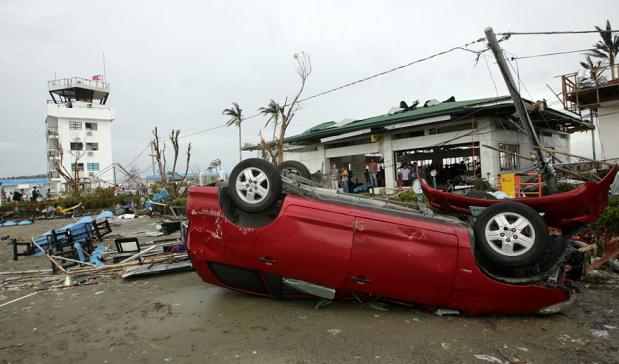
point(611, 252)
point(18, 299)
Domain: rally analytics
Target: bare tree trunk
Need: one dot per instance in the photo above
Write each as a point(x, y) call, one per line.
point(175, 148)
point(180, 183)
point(159, 156)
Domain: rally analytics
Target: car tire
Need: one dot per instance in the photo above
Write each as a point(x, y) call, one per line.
point(511, 234)
point(294, 167)
point(255, 184)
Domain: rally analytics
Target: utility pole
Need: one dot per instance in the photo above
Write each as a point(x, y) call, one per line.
point(546, 171)
point(592, 134)
point(114, 171)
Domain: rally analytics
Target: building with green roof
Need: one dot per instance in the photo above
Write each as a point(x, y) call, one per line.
point(436, 135)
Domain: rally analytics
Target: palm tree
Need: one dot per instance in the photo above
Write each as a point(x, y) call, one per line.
point(236, 118)
point(273, 110)
point(607, 48)
point(592, 68)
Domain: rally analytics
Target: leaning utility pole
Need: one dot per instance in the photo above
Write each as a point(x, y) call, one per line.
point(547, 172)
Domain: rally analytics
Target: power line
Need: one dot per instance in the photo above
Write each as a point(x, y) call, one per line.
point(561, 32)
point(496, 90)
point(552, 54)
point(202, 131)
point(138, 156)
point(462, 47)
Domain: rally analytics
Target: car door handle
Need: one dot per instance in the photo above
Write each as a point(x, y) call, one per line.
point(359, 279)
point(267, 260)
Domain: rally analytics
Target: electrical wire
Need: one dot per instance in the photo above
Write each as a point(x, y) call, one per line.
point(463, 47)
point(364, 79)
point(552, 54)
point(138, 156)
point(496, 90)
point(561, 32)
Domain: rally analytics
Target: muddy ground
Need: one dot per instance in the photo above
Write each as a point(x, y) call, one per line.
point(179, 319)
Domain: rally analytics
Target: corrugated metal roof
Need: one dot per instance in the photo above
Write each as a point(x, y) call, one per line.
point(24, 181)
point(331, 128)
point(444, 108)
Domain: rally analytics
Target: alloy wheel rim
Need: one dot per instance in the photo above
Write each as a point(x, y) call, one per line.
point(510, 234)
point(252, 185)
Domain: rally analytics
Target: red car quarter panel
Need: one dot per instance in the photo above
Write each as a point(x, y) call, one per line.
point(403, 261)
point(307, 243)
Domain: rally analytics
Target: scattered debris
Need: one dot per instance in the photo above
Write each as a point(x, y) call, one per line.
point(11, 346)
point(488, 358)
point(600, 333)
point(446, 312)
point(18, 299)
point(322, 303)
point(334, 332)
point(157, 269)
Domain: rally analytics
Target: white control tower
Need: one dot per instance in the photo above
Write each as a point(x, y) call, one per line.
point(79, 133)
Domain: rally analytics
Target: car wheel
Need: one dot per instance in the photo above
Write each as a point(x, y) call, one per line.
point(294, 167)
point(511, 234)
point(255, 184)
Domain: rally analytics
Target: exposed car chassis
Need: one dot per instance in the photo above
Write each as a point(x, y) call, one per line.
point(315, 242)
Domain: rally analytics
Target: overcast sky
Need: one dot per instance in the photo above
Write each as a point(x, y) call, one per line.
point(177, 64)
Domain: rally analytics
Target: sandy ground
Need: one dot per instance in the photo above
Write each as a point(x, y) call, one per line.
point(179, 319)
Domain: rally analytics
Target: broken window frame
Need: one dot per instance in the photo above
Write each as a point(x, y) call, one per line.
point(509, 162)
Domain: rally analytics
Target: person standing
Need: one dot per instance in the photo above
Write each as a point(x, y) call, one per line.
point(373, 173)
point(345, 179)
point(34, 195)
point(405, 172)
point(334, 176)
point(17, 197)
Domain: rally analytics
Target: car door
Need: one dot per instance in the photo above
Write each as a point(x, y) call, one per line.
point(309, 244)
point(403, 258)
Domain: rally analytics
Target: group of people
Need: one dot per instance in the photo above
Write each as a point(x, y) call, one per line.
point(343, 176)
point(407, 173)
point(21, 195)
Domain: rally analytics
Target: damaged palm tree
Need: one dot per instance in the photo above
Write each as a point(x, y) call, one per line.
point(236, 118)
point(607, 48)
point(282, 114)
point(273, 111)
point(173, 183)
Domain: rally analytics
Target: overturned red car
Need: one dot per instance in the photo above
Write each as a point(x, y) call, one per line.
point(284, 236)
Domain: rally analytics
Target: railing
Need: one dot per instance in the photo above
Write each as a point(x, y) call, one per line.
point(580, 92)
point(52, 131)
point(78, 104)
point(76, 82)
point(528, 185)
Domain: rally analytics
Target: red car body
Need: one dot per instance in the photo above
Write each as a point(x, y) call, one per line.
point(586, 202)
point(416, 259)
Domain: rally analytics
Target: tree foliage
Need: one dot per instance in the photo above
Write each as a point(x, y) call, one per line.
point(607, 47)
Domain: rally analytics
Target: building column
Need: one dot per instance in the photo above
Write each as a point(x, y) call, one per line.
point(322, 155)
point(386, 149)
